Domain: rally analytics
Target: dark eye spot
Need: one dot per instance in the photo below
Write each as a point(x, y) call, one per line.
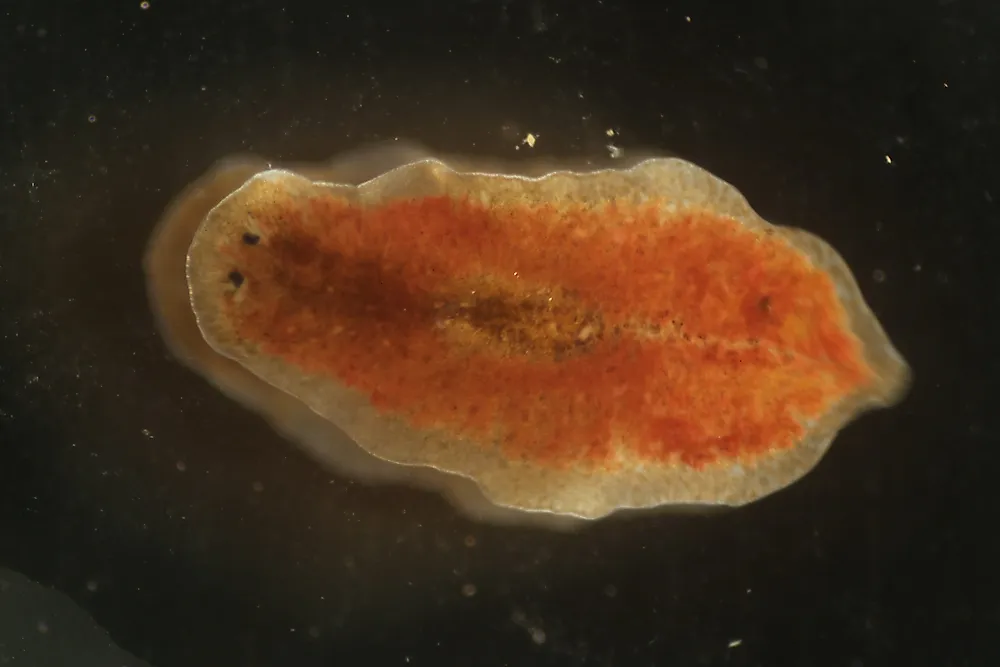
point(251, 239)
point(764, 304)
point(236, 278)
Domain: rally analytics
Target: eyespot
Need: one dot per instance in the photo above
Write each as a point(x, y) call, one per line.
point(236, 278)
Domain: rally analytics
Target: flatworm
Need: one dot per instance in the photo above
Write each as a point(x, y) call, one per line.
point(574, 342)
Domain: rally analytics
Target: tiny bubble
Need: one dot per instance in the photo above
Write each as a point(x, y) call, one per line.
point(91, 118)
point(181, 466)
point(879, 275)
point(144, 4)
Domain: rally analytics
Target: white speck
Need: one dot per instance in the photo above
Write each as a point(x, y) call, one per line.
point(687, 18)
point(530, 140)
point(146, 433)
point(734, 643)
point(888, 160)
point(610, 132)
point(945, 84)
point(615, 152)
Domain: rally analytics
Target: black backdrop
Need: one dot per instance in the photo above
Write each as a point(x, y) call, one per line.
point(873, 124)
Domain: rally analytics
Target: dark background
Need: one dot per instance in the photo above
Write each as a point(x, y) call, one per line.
point(873, 124)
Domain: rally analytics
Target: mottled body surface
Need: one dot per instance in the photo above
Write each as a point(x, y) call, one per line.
point(574, 343)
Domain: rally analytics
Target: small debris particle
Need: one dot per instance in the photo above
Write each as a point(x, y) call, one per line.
point(734, 643)
point(530, 140)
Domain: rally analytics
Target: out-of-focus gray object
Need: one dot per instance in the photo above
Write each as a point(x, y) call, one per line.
point(41, 627)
